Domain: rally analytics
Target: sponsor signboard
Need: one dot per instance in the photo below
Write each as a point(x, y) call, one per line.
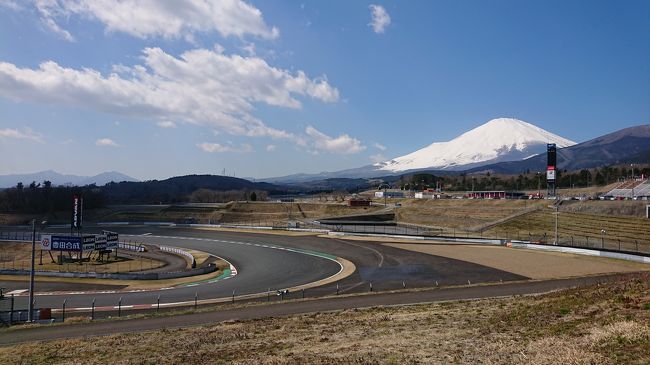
point(551, 155)
point(46, 242)
point(75, 212)
point(61, 243)
point(112, 240)
point(550, 175)
point(88, 243)
point(100, 242)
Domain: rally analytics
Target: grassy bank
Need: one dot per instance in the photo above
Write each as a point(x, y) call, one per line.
point(606, 324)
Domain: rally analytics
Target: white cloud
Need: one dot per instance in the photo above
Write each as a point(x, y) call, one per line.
point(11, 4)
point(379, 146)
point(380, 18)
point(26, 133)
point(166, 124)
point(342, 144)
point(378, 158)
point(155, 18)
point(106, 142)
point(201, 86)
point(249, 48)
point(219, 148)
point(271, 148)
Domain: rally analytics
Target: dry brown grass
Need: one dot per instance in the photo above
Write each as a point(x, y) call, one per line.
point(457, 213)
point(606, 324)
point(17, 255)
point(574, 228)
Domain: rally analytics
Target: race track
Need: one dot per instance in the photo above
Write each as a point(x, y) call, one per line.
point(275, 262)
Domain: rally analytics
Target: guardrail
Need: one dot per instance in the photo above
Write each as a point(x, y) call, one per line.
point(131, 247)
point(180, 252)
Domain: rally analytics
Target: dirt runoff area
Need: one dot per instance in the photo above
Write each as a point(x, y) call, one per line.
point(530, 263)
point(603, 324)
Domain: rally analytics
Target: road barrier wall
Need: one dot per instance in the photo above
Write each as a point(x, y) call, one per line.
point(180, 252)
point(117, 276)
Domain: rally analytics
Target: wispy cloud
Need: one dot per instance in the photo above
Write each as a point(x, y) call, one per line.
point(343, 144)
point(166, 124)
point(271, 148)
point(380, 18)
point(26, 133)
point(219, 148)
point(106, 142)
point(379, 146)
point(378, 158)
point(178, 19)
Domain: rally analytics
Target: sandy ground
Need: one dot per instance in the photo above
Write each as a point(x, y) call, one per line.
point(529, 263)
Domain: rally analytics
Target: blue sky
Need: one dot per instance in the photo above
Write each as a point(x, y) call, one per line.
point(268, 88)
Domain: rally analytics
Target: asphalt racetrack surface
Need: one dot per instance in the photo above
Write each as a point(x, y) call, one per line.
point(262, 268)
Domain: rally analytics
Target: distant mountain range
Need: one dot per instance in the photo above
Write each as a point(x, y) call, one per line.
point(501, 145)
point(177, 189)
point(7, 181)
point(629, 145)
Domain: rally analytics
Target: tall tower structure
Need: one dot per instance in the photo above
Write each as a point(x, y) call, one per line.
point(551, 164)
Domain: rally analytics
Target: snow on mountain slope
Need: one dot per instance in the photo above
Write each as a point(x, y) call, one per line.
point(502, 139)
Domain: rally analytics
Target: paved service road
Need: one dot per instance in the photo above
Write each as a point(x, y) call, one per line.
point(260, 268)
point(292, 308)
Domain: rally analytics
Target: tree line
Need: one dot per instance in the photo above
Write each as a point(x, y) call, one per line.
point(45, 198)
point(525, 181)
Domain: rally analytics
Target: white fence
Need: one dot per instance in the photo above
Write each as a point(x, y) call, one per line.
point(131, 247)
point(180, 252)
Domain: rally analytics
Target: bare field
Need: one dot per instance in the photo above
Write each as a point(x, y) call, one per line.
point(580, 228)
point(605, 324)
point(460, 213)
point(239, 212)
point(621, 208)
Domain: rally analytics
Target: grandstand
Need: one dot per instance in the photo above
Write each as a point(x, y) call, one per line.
point(631, 189)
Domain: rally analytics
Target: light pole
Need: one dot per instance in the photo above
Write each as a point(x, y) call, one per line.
point(539, 185)
point(557, 213)
point(30, 315)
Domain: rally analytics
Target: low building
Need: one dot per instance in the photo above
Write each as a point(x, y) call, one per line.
point(389, 194)
point(427, 195)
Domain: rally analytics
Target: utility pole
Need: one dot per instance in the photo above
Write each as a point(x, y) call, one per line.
point(30, 315)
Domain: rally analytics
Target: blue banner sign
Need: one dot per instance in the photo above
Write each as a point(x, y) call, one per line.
point(61, 243)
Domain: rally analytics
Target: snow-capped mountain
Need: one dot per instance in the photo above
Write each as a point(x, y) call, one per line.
point(502, 139)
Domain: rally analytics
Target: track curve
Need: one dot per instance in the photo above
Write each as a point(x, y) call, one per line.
point(260, 266)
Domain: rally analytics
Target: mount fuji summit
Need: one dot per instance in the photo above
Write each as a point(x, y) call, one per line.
point(502, 139)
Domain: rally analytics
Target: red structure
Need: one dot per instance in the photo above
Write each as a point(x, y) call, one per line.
point(359, 203)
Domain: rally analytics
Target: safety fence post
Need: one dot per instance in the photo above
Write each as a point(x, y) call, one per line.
point(63, 310)
point(92, 311)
